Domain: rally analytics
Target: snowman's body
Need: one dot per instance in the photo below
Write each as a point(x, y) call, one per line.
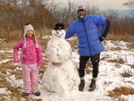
point(58, 49)
point(61, 75)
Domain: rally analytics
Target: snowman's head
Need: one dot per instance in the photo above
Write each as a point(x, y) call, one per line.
point(58, 33)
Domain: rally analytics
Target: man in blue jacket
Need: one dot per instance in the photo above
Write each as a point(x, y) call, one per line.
point(87, 28)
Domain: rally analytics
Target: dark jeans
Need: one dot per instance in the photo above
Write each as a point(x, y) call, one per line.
point(95, 62)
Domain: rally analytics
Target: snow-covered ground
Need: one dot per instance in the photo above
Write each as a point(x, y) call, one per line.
point(117, 59)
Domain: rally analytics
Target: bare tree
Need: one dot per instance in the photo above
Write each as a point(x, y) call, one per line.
point(111, 14)
point(44, 16)
point(130, 4)
point(94, 9)
point(8, 10)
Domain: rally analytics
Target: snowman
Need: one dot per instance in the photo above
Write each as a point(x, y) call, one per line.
point(61, 76)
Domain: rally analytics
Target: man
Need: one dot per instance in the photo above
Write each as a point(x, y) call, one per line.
point(87, 28)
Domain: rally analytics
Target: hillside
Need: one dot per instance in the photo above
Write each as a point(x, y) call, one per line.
point(115, 80)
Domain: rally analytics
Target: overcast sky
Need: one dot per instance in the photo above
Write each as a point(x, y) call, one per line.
point(102, 4)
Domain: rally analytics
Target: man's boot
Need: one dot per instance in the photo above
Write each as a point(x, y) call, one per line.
point(82, 84)
point(92, 86)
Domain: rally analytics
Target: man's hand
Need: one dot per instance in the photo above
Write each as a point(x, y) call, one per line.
point(101, 38)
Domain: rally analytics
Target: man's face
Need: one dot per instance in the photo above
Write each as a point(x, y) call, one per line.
point(81, 14)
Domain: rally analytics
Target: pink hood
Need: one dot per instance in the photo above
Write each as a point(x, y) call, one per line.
point(31, 54)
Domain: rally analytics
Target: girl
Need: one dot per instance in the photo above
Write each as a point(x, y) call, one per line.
point(32, 59)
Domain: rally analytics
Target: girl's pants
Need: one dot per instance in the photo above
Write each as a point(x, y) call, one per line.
point(95, 62)
point(30, 77)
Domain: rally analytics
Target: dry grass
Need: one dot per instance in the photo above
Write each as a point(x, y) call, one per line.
point(88, 67)
point(10, 67)
point(116, 49)
point(44, 32)
point(16, 35)
point(119, 61)
point(132, 66)
point(8, 45)
point(124, 37)
point(5, 55)
point(126, 74)
point(121, 91)
point(2, 97)
point(15, 92)
point(42, 70)
point(7, 65)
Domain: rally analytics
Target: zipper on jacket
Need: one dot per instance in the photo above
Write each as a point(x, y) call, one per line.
point(87, 37)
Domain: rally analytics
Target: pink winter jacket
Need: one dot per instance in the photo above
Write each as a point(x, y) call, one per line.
point(31, 54)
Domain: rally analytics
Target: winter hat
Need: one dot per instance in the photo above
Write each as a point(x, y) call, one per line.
point(59, 26)
point(26, 28)
point(81, 8)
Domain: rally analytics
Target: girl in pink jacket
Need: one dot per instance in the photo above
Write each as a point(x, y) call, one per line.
point(32, 59)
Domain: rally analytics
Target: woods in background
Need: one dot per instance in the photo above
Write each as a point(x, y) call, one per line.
point(14, 14)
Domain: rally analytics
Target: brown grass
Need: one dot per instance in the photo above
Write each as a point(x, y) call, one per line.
point(88, 67)
point(17, 73)
point(8, 45)
point(5, 84)
point(5, 55)
point(120, 61)
point(16, 35)
point(126, 74)
point(132, 66)
point(9, 65)
point(42, 70)
point(124, 37)
point(116, 49)
point(121, 91)
point(2, 97)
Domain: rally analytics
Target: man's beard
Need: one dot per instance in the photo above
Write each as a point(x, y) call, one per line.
point(82, 16)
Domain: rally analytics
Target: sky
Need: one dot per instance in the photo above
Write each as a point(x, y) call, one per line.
point(108, 79)
point(102, 4)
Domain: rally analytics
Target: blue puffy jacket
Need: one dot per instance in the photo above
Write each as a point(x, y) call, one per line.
point(87, 30)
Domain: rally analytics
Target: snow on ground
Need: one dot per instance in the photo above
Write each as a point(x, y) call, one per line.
point(108, 79)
